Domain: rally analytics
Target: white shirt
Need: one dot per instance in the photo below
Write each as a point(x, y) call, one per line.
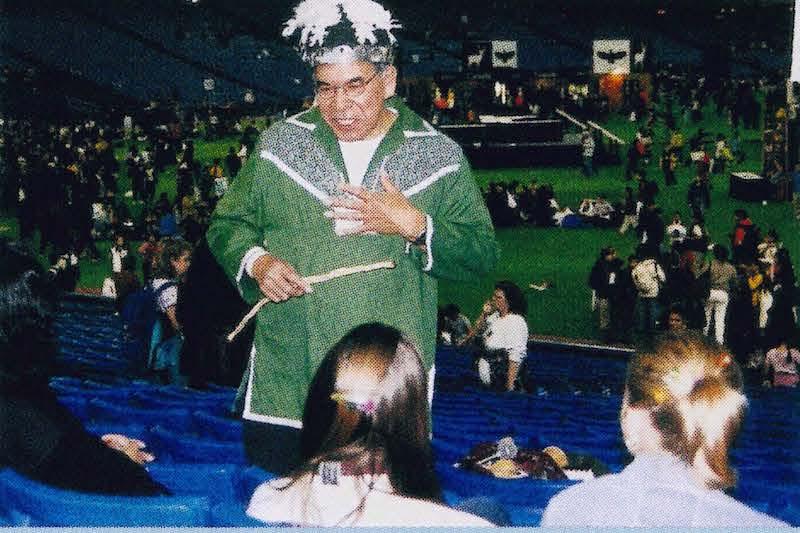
point(680, 229)
point(320, 504)
point(648, 277)
point(166, 298)
point(655, 490)
point(117, 255)
point(357, 155)
point(776, 358)
point(507, 333)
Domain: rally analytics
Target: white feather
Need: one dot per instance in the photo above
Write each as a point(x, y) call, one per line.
point(313, 18)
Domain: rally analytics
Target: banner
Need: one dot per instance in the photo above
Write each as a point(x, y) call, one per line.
point(504, 54)
point(611, 57)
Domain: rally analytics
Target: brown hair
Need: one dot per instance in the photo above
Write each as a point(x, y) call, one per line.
point(385, 429)
point(692, 389)
point(171, 250)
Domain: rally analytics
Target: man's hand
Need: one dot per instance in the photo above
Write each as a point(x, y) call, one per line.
point(277, 279)
point(387, 213)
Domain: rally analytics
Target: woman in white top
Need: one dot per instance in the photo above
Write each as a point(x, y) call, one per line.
point(502, 326)
point(365, 443)
point(681, 411)
point(781, 365)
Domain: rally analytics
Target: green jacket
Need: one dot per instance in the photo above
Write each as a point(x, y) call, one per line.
point(277, 203)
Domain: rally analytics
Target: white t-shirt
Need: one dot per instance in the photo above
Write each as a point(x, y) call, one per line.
point(320, 504)
point(117, 255)
point(507, 333)
point(357, 155)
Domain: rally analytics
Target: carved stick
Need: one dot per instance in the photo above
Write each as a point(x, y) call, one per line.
point(312, 280)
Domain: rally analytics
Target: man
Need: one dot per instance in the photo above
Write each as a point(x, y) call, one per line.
point(602, 280)
point(233, 163)
point(744, 238)
point(651, 229)
point(698, 196)
point(393, 188)
point(676, 231)
point(649, 278)
point(622, 302)
point(587, 151)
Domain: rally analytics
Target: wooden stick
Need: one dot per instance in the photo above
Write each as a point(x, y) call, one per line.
point(312, 280)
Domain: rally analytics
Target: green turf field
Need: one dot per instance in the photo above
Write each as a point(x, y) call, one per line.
point(562, 256)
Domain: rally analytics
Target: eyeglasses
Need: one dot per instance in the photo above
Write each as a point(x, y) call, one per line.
point(351, 90)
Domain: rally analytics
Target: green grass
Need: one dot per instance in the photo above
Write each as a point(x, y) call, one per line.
point(562, 256)
point(565, 256)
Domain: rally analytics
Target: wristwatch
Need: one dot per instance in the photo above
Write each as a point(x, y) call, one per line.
point(420, 240)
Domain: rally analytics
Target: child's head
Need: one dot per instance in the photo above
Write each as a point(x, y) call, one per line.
point(684, 396)
point(369, 401)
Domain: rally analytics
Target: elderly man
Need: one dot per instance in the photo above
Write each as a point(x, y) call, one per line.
point(357, 179)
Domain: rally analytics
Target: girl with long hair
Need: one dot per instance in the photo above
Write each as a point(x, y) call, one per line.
point(365, 443)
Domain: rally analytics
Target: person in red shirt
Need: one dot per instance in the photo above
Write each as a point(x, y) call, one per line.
point(743, 239)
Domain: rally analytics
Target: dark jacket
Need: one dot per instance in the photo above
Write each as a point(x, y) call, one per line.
point(41, 439)
point(604, 275)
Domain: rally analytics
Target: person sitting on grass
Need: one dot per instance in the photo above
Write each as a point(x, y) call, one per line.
point(682, 408)
point(40, 438)
point(367, 458)
point(597, 211)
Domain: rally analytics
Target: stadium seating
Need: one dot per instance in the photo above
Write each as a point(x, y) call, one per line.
point(186, 448)
point(200, 457)
point(26, 502)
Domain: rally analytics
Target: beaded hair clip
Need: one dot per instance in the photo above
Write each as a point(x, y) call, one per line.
point(366, 406)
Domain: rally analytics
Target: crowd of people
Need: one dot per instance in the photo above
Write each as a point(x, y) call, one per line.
point(745, 290)
point(366, 450)
point(337, 388)
point(62, 176)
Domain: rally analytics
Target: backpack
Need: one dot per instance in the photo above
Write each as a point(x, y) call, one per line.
point(140, 312)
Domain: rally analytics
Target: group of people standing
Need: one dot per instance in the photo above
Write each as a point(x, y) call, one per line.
point(744, 299)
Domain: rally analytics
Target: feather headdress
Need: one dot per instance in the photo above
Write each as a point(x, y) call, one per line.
point(342, 31)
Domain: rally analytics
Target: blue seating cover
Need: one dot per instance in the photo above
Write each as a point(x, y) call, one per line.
point(249, 479)
point(233, 515)
point(48, 506)
point(176, 419)
point(227, 429)
point(184, 448)
point(218, 482)
point(134, 431)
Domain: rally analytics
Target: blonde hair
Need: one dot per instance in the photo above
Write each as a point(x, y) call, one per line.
point(692, 390)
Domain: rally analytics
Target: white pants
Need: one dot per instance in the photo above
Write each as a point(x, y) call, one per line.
point(629, 221)
point(718, 305)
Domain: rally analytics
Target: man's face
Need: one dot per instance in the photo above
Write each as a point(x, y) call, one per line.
point(351, 98)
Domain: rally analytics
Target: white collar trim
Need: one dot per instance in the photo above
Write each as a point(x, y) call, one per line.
point(294, 120)
point(321, 195)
